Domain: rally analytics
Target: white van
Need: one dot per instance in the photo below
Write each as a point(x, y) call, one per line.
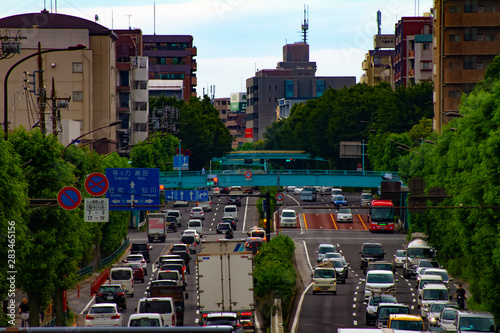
point(145, 320)
point(196, 225)
point(123, 276)
point(165, 306)
point(231, 211)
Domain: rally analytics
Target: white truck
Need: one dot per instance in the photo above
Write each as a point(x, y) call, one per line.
point(225, 281)
point(418, 248)
point(157, 227)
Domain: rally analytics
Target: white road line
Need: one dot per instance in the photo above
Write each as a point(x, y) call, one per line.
point(354, 306)
point(245, 215)
point(354, 314)
point(355, 323)
point(355, 299)
point(87, 306)
point(299, 308)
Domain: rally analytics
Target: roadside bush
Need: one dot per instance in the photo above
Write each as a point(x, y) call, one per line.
point(275, 276)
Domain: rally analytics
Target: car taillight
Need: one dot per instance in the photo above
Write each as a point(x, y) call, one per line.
point(89, 317)
point(173, 320)
point(117, 316)
point(100, 295)
point(121, 294)
point(245, 314)
point(143, 260)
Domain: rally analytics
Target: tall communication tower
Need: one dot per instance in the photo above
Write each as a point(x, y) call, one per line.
point(305, 24)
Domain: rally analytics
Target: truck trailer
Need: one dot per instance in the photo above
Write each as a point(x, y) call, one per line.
point(157, 227)
point(225, 282)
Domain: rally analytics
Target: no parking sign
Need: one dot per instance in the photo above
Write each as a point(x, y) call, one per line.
point(279, 196)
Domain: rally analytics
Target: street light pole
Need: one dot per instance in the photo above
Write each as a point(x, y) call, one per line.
point(97, 129)
point(5, 90)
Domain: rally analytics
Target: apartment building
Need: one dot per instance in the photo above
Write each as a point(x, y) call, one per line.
point(466, 39)
point(413, 52)
point(131, 89)
point(294, 77)
point(172, 65)
point(83, 75)
point(377, 67)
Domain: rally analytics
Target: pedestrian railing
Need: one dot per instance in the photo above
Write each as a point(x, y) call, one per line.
point(106, 261)
point(89, 270)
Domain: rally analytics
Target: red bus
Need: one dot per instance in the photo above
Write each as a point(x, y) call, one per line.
point(381, 219)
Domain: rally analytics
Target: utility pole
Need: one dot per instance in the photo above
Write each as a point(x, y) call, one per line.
point(54, 109)
point(42, 98)
point(278, 206)
point(268, 216)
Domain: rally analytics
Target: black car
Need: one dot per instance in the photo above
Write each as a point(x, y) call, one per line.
point(171, 224)
point(223, 227)
point(224, 189)
point(371, 251)
point(229, 220)
point(141, 249)
point(112, 293)
point(234, 200)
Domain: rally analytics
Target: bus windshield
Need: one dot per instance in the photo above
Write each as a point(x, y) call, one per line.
point(382, 215)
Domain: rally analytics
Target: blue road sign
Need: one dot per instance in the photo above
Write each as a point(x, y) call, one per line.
point(133, 189)
point(182, 162)
point(186, 195)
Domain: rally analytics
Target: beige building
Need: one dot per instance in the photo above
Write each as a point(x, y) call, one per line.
point(377, 67)
point(466, 39)
point(86, 76)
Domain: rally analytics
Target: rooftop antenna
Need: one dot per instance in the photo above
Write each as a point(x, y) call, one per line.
point(305, 24)
point(129, 15)
point(379, 21)
point(154, 18)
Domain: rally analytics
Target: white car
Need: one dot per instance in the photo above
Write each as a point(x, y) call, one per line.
point(288, 218)
point(379, 281)
point(215, 190)
point(197, 213)
point(103, 315)
point(197, 225)
point(181, 203)
point(206, 205)
point(145, 320)
point(344, 215)
point(297, 190)
point(137, 258)
point(399, 258)
point(192, 232)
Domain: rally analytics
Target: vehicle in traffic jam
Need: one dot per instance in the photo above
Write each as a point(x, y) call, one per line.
point(288, 218)
point(234, 200)
point(372, 306)
point(253, 244)
point(324, 249)
point(138, 271)
point(407, 322)
point(386, 309)
point(344, 215)
point(103, 315)
point(339, 200)
point(399, 258)
point(112, 293)
point(324, 279)
point(137, 258)
point(381, 216)
point(371, 251)
point(230, 220)
point(197, 213)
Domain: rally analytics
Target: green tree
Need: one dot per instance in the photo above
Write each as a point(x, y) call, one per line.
point(158, 154)
point(13, 191)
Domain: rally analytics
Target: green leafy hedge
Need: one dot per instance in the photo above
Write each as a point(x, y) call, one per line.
point(275, 275)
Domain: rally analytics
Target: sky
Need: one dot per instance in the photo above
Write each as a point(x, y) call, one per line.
point(234, 38)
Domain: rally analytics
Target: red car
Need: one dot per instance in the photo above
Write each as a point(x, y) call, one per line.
point(138, 271)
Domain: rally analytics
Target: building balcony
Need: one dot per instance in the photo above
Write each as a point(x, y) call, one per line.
point(472, 48)
point(123, 88)
point(411, 54)
point(411, 73)
point(122, 109)
point(194, 66)
point(365, 65)
point(123, 66)
point(192, 51)
point(463, 76)
point(472, 19)
point(141, 116)
point(194, 81)
point(140, 74)
point(141, 95)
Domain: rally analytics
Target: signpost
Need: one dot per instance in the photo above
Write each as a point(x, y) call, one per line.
point(69, 197)
point(186, 195)
point(248, 175)
point(96, 210)
point(133, 188)
point(96, 184)
point(182, 162)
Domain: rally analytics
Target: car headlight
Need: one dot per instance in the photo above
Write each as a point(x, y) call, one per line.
point(433, 320)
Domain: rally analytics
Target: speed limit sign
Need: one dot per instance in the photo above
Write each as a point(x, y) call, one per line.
point(279, 196)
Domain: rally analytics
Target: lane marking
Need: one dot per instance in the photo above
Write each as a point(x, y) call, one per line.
point(305, 221)
point(333, 220)
point(361, 219)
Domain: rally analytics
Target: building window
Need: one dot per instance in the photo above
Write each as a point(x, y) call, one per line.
point(470, 6)
point(489, 9)
point(454, 94)
point(77, 96)
point(275, 87)
point(426, 65)
point(78, 67)
point(470, 62)
point(470, 34)
point(270, 88)
point(468, 88)
point(124, 78)
point(489, 37)
point(163, 61)
point(454, 9)
point(320, 88)
point(288, 88)
point(124, 99)
point(454, 38)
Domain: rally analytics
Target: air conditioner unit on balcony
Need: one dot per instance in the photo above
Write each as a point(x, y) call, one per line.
point(480, 38)
point(480, 9)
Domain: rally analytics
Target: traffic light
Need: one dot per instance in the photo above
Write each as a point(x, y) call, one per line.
point(162, 189)
point(289, 159)
point(212, 180)
point(264, 205)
